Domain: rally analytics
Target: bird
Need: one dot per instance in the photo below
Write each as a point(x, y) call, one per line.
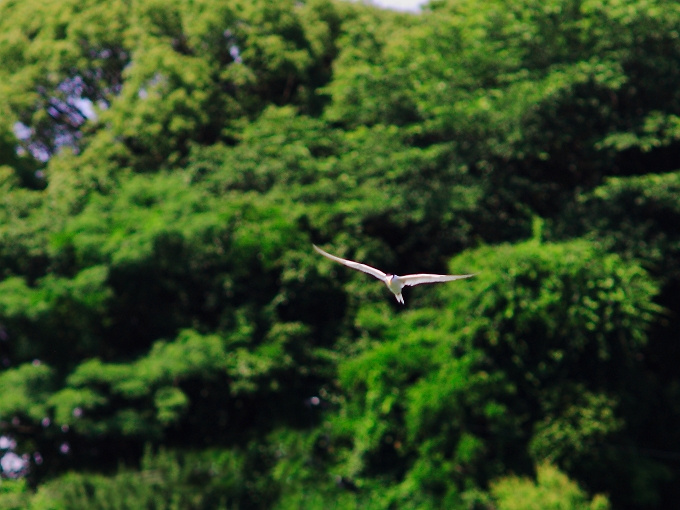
point(394, 282)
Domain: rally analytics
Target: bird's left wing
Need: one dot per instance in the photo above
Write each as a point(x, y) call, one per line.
point(354, 265)
point(417, 279)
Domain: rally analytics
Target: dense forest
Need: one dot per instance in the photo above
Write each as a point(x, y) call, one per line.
point(170, 340)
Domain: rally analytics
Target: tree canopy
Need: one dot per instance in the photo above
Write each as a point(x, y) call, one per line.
point(169, 339)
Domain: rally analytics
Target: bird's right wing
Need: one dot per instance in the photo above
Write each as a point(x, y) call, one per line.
point(416, 279)
point(354, 265)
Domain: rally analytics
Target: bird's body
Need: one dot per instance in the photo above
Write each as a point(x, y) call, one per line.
point(394, 283)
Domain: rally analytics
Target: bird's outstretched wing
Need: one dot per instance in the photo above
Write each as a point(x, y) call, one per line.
point(417, 279)
point(354, 265)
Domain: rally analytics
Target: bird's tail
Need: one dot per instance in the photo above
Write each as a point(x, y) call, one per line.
point(400, 298)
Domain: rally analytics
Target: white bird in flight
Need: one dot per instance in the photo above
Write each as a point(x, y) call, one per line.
point(395, 283)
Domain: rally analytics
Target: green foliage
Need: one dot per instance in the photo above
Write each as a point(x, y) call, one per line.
point(166, 166)
point(14, 494)
point(577, 430)
point(213, 480)
point(192, 72)
point(529, 92)
point(552, 491)
point(25, 391)
point(635, 216)
point(525, 354)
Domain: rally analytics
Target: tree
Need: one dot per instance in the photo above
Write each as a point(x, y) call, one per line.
point(165, 168)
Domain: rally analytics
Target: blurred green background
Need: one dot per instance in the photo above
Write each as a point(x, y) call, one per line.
point(169, 339)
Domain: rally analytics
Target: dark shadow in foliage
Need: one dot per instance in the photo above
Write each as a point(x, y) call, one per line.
point(638, 217)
